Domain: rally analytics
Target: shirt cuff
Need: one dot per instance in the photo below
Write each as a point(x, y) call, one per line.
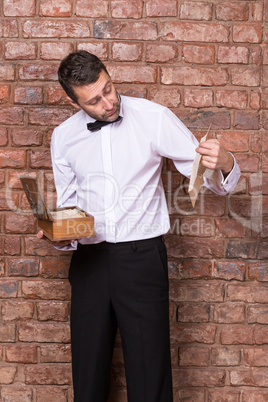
point(70, 247)
point(232, 178)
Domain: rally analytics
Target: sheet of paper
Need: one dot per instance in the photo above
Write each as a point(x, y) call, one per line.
point(198, 172)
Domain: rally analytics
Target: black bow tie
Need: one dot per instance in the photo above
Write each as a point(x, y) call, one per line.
point(97, 125)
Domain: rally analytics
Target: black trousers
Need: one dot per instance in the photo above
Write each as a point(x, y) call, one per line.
point(121, 285)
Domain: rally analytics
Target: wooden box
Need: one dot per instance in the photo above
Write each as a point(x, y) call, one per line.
point(61, 223)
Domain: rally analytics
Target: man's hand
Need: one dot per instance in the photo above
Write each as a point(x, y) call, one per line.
point(215, 156)
point(62, 243)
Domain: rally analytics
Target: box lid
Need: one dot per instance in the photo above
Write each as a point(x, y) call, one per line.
point(36, 198)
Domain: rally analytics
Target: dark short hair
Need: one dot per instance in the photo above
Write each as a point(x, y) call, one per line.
point(78, 69)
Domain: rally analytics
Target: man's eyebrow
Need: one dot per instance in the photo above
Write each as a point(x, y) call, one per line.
point(97, 96)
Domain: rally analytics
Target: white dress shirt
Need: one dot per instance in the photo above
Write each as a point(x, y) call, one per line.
point(114, 174)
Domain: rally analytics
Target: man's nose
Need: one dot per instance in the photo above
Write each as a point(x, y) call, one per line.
point(107, 103)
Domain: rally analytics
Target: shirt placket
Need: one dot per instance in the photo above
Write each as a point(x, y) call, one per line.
point(110, 187)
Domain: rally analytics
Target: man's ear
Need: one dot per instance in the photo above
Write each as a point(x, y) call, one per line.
point(72, 102)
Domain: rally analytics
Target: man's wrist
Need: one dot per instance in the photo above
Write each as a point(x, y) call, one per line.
point(229, 165)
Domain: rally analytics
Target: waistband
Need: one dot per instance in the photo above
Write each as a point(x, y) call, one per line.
point(125, 245)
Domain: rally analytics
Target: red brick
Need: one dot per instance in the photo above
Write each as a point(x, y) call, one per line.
point(229, 228)
point(126, 51)
point(195, 269)
point(55, 29)
point(8, 201)
point(199, 54)
point(190, 394)
point(55, 8)
point(43, 332)
point(225, 357)
point(142, 74)
point(97, 48)
point(58, 374)
point(254, 396)
point(257, 314)
point(255, 100)
point(98, 9)
point(55, 50)
point(249, 377)
point(8, 288)
point(22, 266)
point(166, 97)
point(246, 76)
point(265, 120)
point(223, 395)
point(111, 29)
point(246, 120)
point(3, 136)
point(56, 96)
point(20, 51)
point(18, 223)
point(38, 72)
point(14, 182)
point(229, 313)
point(197, 227)
point(26, 137)
point(248, 163)
point(55, 353)
point(37, 247)
point(196, 11)
point(194, 356)
point(54, 116)
point(12, 245)
point(12, 115)
point(131, 9)
point(55, 268)
point(46, 289)
point(194, 76)
point(161, 53)
point(231, 99)
point(21, 353)
point(201, 333)
point(7, 334)
point(16, 394)
point(9, 28)
point(198, 98)
point(229, 270)
point(247, 293)
point(247, 33)
point(158, 8)
point(19, 8)
point(232, 11)
point(256, 357)
point(180, 292)
point(189, 312)
point(28, 95)
point(185, 248)
point(257, 11)
point(7, 374)
point(4, 94)
point(260, 335)
point(265, 76)
point(14, 310)
point(233, 54)
point(53, 311)
point(258, 271)
point(237, 334)
point(204, 377)
point(193, 31)
point(7, 72)
point(45, 394)
point(40, 159)
point(256, 56)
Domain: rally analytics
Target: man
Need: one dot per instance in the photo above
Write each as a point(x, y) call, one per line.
point(119, 278)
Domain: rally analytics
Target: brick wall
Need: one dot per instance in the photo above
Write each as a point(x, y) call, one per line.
point(208, 62)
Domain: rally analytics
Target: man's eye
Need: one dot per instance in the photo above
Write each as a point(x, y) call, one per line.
point(107, 90)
